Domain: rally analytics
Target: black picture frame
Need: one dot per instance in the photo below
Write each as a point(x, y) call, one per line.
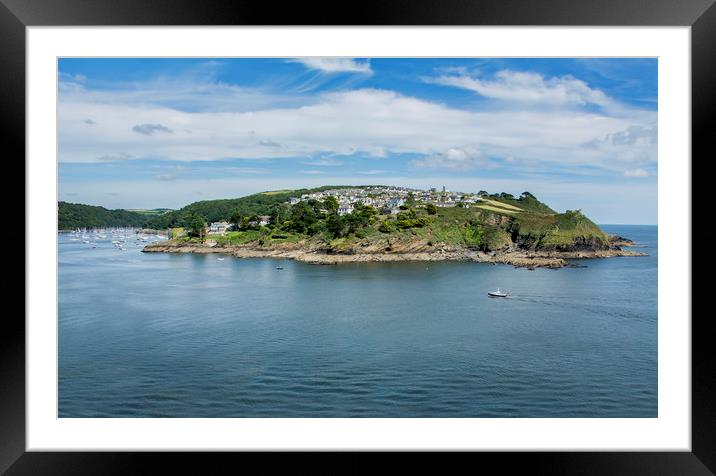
point(16, 15)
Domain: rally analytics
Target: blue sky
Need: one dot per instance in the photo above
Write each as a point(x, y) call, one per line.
point(145, 133)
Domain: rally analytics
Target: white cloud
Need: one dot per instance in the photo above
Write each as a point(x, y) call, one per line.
point(633, 145)
point(633, 135)
point(372, 172)
point(336, 65)
point(454, 159)
point(638, 173)
point(369, 122)
point(269, 143)
point(528, 87)
point(151, 129)
point(325, 162)
point(312, 172)
point(115, 157)
point(192, 94)
point(71, 78)
point(170, 173)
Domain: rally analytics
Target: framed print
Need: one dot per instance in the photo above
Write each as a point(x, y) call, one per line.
point(464, 228)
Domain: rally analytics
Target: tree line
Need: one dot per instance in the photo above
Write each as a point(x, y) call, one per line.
point(76, 215)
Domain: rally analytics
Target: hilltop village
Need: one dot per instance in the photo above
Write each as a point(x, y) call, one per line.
point(389, 199)
point(386, 200)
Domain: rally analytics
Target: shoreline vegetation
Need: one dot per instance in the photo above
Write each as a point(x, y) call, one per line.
point(317, 229)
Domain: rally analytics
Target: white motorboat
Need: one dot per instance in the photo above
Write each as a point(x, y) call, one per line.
point(498, 293)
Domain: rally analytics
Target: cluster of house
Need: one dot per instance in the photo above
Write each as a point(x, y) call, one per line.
point(221, 227)
point(382, 198)
point(389, 198)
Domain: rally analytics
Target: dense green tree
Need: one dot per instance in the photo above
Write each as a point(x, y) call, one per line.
point(275, 217)
point(235, 219)
point(303, 215)
point(331, 204)
point(335, 225)
point(197, 227)
point(254, 222)
point(367, 211)
point(431, 209)
point(386, 227)
point(76, 215)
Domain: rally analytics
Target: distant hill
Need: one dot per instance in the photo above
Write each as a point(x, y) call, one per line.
point(77, 215)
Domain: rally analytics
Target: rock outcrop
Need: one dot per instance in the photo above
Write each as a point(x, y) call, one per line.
point(388, 251)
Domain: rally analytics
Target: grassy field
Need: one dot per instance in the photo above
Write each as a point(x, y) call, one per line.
point(152, 212)
point(500, 205)
point(498, 209)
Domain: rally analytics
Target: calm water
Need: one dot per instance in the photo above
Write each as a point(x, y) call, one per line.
point(164, 335)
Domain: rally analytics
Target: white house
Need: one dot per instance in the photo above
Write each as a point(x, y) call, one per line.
point(218, 227)
point(345, 209)
point(395, 202)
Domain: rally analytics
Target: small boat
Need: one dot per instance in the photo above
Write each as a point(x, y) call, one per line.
point(279, 267)
point(497, 293)
point(220, 259)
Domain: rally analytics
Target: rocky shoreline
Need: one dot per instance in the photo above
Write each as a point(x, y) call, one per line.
point(318, 255)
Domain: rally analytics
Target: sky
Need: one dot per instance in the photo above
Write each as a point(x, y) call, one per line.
point(165, 132)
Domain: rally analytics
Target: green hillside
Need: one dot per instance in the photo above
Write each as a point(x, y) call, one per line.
point(217, 210)
point(76, 215)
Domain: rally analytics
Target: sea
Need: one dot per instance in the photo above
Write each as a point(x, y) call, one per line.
point(202, 336)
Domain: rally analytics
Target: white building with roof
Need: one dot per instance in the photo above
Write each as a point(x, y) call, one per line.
point(218, 227)
point(345, 208)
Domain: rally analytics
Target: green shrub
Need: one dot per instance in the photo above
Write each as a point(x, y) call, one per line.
point(386, 227)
